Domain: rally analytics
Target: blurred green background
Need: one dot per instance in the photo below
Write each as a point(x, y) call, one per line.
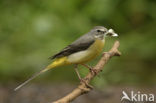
point(33, 30)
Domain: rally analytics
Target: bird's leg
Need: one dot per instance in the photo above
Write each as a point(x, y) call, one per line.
point(81, 79)
point(90, 69)
point(77, 72)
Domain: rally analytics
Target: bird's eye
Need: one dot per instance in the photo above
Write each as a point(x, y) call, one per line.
point(98, 30)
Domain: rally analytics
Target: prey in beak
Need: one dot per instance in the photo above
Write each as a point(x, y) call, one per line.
point(111, 32)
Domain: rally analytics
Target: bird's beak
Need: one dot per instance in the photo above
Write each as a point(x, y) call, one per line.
point(111, 32)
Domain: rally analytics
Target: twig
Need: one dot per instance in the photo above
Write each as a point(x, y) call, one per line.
point(83, 88)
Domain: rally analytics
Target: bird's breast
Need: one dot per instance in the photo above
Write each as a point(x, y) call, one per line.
point(84, 56)
point(96, 47)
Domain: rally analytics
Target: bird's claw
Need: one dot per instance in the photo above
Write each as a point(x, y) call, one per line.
point(88, 85)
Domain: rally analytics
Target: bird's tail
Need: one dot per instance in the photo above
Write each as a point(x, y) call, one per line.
point(56, 63)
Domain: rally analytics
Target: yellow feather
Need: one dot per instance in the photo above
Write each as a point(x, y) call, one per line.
point(58, 62)
point(84, 56)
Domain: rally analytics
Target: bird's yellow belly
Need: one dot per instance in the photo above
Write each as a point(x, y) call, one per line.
point(84, 56)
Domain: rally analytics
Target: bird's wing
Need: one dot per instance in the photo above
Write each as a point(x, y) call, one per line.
point(79, 45)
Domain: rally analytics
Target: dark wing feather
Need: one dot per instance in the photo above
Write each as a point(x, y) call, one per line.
point(80, 44)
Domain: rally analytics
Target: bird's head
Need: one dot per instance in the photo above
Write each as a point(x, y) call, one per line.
point(102, 32)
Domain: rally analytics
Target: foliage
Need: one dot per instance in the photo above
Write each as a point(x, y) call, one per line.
point(31, 31)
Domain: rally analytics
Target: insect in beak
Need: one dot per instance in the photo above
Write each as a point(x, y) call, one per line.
point(111, 32)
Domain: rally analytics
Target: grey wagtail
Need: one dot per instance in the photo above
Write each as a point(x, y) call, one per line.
point(84, 49)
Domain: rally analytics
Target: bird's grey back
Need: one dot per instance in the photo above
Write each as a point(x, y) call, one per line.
point(84, 39)
point(80, 44)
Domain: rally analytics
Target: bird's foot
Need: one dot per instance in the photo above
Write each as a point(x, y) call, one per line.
point(94, 71)
point(85, 82)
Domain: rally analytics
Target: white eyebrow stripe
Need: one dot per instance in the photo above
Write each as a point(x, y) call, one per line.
point(100, 29)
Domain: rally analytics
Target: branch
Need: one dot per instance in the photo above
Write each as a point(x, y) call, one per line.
point(83, 88)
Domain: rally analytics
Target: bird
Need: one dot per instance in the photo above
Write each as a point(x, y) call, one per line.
point(84, 49)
